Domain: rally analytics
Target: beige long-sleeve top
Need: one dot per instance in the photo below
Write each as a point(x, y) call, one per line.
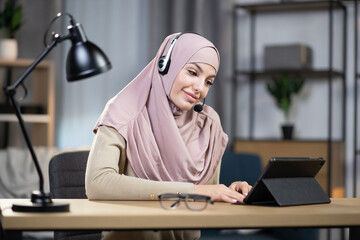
point(109, 176)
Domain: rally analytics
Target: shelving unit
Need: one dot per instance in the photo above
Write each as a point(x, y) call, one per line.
point(356, 85)
point(328, 74)
point(42, 94)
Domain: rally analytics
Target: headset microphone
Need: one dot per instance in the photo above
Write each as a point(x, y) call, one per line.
point(199, 107)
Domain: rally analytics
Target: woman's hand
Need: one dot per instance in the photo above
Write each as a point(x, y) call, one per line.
point(241, 187)
point(221, 192)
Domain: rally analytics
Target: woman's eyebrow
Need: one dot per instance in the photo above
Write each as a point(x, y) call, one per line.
point(201, 70)
point(198, 66)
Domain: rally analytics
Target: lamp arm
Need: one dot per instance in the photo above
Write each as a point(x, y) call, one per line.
point(28, 142)
point(11, 91)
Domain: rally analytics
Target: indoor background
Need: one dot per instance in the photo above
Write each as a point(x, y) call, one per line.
point(130, 33)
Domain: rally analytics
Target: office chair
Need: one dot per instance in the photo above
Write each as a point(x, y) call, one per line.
point(67, 180)
point(240, 166)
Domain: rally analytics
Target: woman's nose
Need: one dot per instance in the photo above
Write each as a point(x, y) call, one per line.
point(198, 86)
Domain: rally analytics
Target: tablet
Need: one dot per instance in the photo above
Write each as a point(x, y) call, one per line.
point(288, 181)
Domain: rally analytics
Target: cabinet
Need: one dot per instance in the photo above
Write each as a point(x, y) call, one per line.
point(38, 105)
point(326, 74)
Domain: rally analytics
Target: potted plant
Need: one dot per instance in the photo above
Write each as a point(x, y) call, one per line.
point(10, 23)
point(282, 88)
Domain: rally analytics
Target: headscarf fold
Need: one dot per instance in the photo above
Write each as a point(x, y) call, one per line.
point(164, 143)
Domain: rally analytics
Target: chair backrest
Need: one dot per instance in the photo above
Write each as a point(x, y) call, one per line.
point(67, 180)
point(67, 174)
point(240, 167)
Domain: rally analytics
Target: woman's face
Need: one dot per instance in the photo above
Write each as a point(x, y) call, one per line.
point(192, 84)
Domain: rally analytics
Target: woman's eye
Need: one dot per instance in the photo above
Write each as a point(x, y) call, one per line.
point(209, 83)
point(192, 72)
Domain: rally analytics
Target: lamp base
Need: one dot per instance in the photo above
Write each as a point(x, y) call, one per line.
point(38, 207)
point(41, 202)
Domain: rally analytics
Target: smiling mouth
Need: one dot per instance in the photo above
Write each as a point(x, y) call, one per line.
point(191, 98)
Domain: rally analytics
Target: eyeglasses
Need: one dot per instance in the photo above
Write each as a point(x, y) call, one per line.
point(194, 202)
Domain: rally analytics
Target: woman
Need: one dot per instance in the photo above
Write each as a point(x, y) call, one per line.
point(150, 141)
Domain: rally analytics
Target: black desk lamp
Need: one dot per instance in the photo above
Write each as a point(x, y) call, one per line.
point(84, 60)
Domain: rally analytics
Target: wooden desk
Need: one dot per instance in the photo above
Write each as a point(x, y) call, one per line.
point(85, 214)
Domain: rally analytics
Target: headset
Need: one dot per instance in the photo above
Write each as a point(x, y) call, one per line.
point(164, 61)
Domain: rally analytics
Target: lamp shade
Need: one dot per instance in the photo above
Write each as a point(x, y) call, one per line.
point(84, 60)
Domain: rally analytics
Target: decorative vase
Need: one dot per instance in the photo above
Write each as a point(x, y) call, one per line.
point(287, 131)
point(8, 48)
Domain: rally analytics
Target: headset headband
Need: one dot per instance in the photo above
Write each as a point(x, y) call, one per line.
point(164, 61)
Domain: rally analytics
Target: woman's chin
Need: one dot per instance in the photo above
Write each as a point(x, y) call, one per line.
point(186, 108)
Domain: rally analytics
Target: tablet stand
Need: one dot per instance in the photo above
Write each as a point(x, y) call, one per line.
point(295, 191)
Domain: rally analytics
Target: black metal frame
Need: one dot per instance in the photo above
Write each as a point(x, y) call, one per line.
point(356, 83)
point(327, 73)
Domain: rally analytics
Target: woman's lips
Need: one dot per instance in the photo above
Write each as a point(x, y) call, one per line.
point(192, 98)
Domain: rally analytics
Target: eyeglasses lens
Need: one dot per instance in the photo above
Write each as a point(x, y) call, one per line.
point(196, 203)
point(169, 202)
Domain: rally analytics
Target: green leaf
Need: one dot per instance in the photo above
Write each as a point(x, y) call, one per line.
point(282, 89)
point(11, 18)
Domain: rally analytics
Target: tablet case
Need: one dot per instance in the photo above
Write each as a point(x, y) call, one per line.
point(292, 182)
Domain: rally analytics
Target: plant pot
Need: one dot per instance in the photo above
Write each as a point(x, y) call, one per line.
point(287, 131)
point(8, 48)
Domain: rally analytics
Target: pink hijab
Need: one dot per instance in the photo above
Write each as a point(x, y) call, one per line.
point(164, 143)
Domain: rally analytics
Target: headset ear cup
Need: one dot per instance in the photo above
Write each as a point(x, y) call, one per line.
point(163, 65)
point(167, 66)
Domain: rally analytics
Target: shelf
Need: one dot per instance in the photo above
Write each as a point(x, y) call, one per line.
point(39, 111)
point(28, 118)
point(291, 6)
point(23, 63)
point(303, 73)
